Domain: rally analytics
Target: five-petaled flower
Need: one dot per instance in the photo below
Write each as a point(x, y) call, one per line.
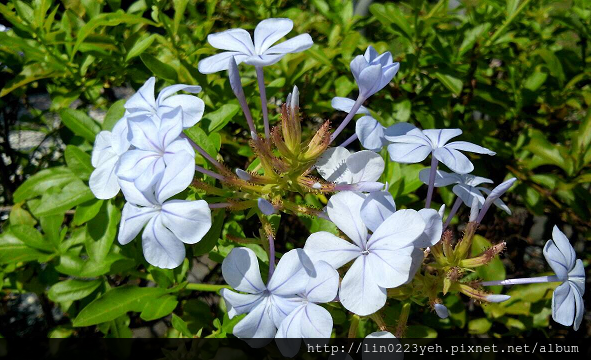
point(260, 53)
point(373, 71)
point(416, 145)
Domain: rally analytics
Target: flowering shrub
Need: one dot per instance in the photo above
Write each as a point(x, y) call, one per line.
point(374, 256)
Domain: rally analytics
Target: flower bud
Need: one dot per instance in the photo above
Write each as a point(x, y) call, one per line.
point(441, 310)
point(485, 257)
point(319, 142)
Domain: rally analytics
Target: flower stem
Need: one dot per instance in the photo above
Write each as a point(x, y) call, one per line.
point(402, 320)
point(209, 173)
point(533, 280)
point(202, 152)
point(379, 321)
point(349, 140)
point(348, 118)
point(206, 287)
point(263, 92)
point(452, 212)
point(219, 205)
point(432, 173)
point(271, 255)
point(353, 327)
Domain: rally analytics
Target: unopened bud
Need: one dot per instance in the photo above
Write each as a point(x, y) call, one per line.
point(441, 311)
point(243, 175)
point(319, 142)
point(485, 257)
point(266, 207)
point(481, 295)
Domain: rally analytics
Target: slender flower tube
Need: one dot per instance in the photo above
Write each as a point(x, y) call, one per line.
point(263, 92)
point(432, 172)
point(236, 85)
point(493, 196)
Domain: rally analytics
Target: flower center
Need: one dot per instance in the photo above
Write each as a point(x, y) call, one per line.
point(365, 252)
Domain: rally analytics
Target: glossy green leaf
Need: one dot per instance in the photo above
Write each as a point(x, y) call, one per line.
point(72, 289)
point(80, 124)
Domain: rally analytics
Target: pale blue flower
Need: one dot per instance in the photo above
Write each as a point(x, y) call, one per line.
point(338, 165)
point(373, 71)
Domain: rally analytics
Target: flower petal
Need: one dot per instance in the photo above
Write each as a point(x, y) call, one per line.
point(357, 65)
point(345, 104)
point(257, 324)
point(577, 276)
point(366, 166)
point(439, 137)
point(233, 39)
point(188, 220)
point(161, 247)
point(263, 60)
point(192, 108)
point(344, 210)
point(370, 133)
point(399, 230)
point(433, 228)
point(289, 333)
point(392, 267)
point(282, 306)
point(135, 196)
point(238, 304)
point(453, 159)
point(324, 286)
point(133, 219)
point(290, 276)
point(144, 133)
point(468, 194)
point(102, 149)
point(498, 202)
point(316, 322)
point(442, 178)
point(332, 167)
point(176, 177)
point(467, 146)
point(241, 271)
point(171, 126)
point(270, 31)
point(219, 62)
point(565, 247)
point(265, 206)
point(369, 80)
point(360, 293)
point(564, 304)
point(408, 153)
point(143, 99)
point(325, 246)
point(406, 133)
point(376, 208)
point(579, 305)
point(120, 136)
point(294, 45)
point(441, 311)
point(103, 181)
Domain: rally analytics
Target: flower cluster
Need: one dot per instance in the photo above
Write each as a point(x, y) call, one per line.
point(379, 252)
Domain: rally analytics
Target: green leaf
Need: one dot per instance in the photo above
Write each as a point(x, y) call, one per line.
point(106, 19)
point(13, 250)
point(116, 302)
point(179, 11)
point(389, 14)
point(159, 68)
point(31, 237)
point(71, 290)
point(54, 203)
point(86, 211)
point(114, 114)
point(28, 74)
point(200, 138)
point(181, 326)
point(80, 124)
point(78, 161)
point(159, 308)
point(535, 80)
point(553, 63)
point(20, 216)
point(471, 36)
point(42, 181)
point(452, 83)
point(479, 326)
point(52, 226)
point(140, 46)
point(217, 119)
point(211, 238)
point(101, 231)
point(420, 332)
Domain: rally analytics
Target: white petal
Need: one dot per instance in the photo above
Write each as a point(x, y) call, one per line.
point(103, 181)
point(294, 45)
point(376, 208)
point(433, 228)
point(161, 247)
point(399, 129)
point(580, 307)
point(439, 137)
point(291, 328)
point(192, 108)
point(176, 147)
point(357, 65)
point(392, 267)
point(473, 180)
point(135, 196)
point(282, 306)
point(344, 210)
point(151, 175)
point(316, 322)
point(442, 178)
point(144, 133)
point(370, 133)
point(498, 202)
point(176, 177)
point(172, 89)
point(241, 271)
point(556, 259)
point(263, 60)
point(325, 246)
point(577, 276)
point(360, 292)
point(233, 39)
point(269, 31)
point(171, 125)
point(468, 194)
point(134, 162)
point(120, 136)
point(345, 104)
point(290, 276)
point(408, 153)
point(388, 72)
point(332, 167)
point(467, 146)
point(369, 80)
point(406, 133)
point(257, 324)
point(324, 286)
point(453, 159)
point(565, 247)
point(240, 303)
point(219, 62)
point(498, 191)
point(366, 166)
point(563, 304)
point(188, 220)
point(143, 99)
point(133, 219)
point(102, 149)
point(401, 229)
point(380, 335)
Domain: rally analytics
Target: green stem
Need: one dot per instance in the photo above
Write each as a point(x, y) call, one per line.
point(404, 313)
point(507, 22)
point(353, 327)
point(206, 287)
